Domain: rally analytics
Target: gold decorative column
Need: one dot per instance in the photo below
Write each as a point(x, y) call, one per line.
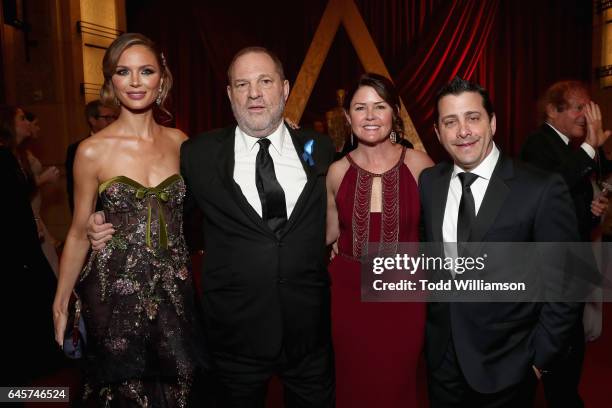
point(45, 70)
point(602, 21)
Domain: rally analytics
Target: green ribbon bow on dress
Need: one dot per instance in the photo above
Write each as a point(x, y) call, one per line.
point(157, 194)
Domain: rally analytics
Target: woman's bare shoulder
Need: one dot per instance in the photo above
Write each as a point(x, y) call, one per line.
point(339, 167)
point(94, 146)
point(336, 172)
point(417, 159)
point(175, 134)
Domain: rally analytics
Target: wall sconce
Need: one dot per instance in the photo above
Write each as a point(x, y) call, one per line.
point(604, 72)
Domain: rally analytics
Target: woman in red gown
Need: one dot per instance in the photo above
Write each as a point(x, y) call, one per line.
point(373, 199)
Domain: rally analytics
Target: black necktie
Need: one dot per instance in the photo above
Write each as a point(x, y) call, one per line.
point(467, 208)
point(271, 194)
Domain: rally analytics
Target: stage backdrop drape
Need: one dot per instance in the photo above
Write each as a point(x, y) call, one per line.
point(452, 47)
point(2, 90)
point(513, 48)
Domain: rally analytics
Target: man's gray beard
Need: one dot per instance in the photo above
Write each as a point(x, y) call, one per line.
point(272, 125)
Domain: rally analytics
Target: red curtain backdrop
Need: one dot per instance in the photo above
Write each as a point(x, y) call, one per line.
point(532, 45)
point(453, 46)
point(513, 48)
point(2, 90)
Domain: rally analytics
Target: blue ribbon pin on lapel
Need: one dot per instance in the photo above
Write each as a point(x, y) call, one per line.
point(307, 154)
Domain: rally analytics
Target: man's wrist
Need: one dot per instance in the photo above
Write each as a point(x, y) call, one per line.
point(589, 149)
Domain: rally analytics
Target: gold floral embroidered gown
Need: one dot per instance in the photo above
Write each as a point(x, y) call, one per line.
point(143, 335)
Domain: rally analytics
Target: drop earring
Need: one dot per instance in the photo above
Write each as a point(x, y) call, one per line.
point(393, 137)
point(159, 97)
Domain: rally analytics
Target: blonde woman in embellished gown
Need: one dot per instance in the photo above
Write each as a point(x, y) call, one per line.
point(373, 199)
point(143, 335)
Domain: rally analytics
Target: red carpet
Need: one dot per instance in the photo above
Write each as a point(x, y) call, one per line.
point(596, 386)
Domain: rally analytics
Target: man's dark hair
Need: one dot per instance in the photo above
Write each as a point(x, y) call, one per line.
point(458, 86)
point(259, 50)
point(92, 109)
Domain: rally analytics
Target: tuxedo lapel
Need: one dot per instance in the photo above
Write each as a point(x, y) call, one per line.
point(438, 197)
point(496, 194)
point(298, 143)
point(560, 149)
point(311, 172)
point(225, 162)
point(225, 169)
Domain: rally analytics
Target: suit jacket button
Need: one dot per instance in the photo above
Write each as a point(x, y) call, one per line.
point(281, 281)
point(280, 244)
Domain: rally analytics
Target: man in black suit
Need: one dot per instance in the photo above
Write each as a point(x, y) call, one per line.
point(489, 354)
point(98, 117)
point(566, 144)
point(265, 283)
point(570, 118)
point(266, 297)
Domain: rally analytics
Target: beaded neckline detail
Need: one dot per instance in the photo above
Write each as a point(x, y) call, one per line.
point(389, 233)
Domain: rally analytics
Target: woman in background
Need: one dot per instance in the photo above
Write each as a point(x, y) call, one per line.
point(41, 177)
point(28, 283)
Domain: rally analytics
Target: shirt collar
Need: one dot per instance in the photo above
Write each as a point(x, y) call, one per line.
point(561, 135)
point(484, 169)
point(276, 138)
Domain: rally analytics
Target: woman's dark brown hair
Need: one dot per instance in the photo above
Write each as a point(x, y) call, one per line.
point(386, 90)
point(8, 138)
